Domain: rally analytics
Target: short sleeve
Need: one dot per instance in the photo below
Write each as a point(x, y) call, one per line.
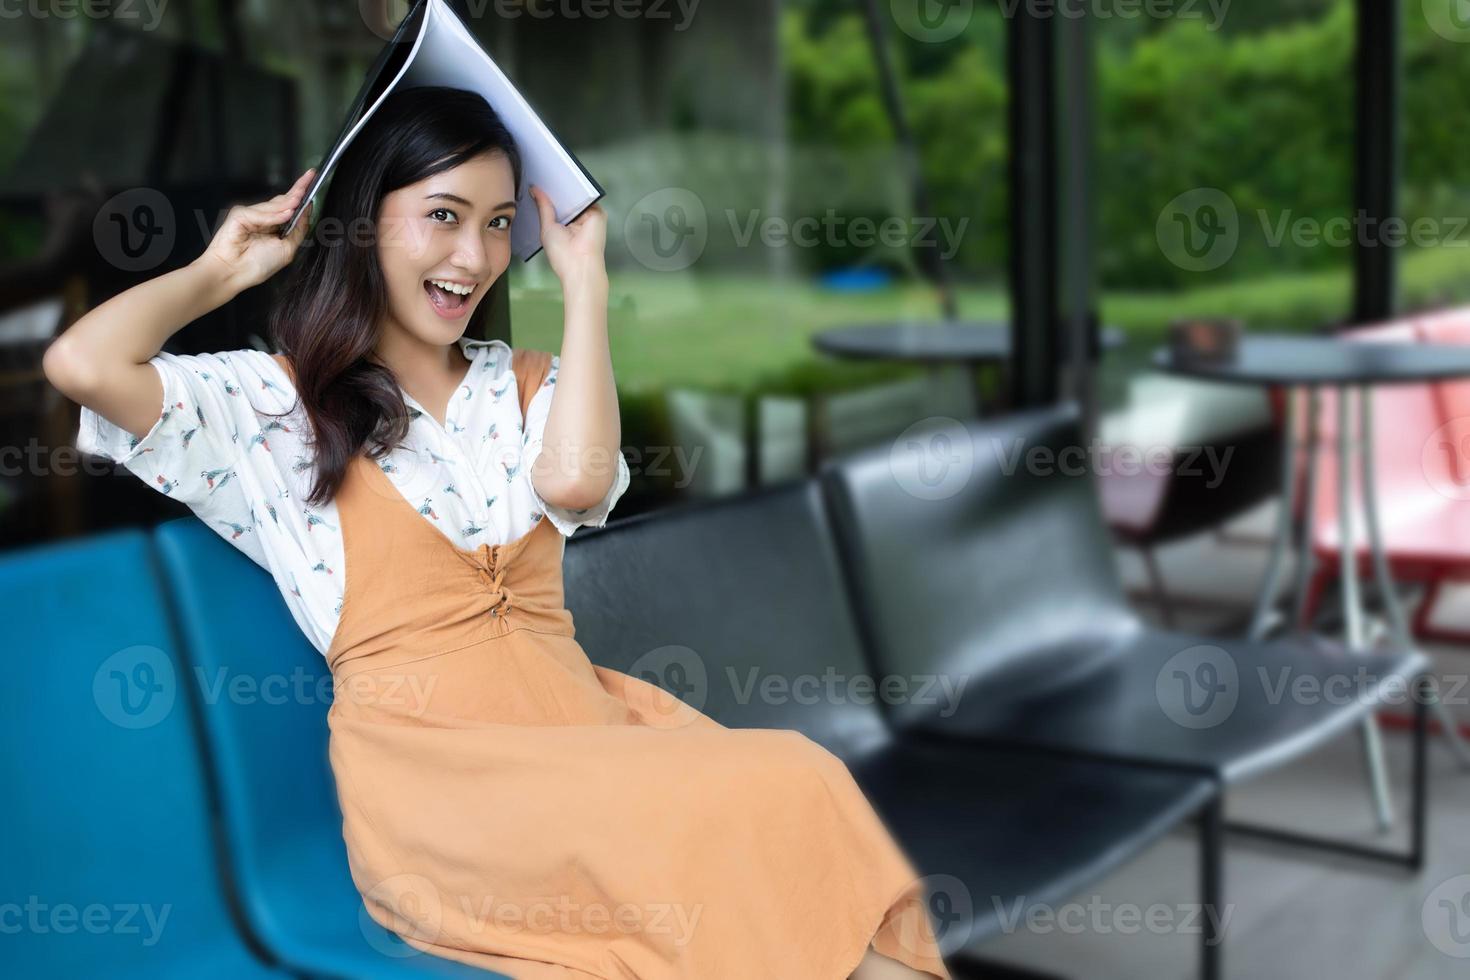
point(565, 520)
point(198, 449)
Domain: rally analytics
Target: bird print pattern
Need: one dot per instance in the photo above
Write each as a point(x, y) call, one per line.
point(230, 443)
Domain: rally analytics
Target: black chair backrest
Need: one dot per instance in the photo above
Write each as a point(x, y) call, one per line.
point(979, 555)
point(738, 607)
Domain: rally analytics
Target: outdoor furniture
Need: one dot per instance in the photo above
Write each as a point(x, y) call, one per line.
point(743, 611)
point(750, 584)
point(1004, 574)
point(1069, 765)
point(1157, 477)
point(1453, 398)
point(1416, 518)
point(1346, 367)
point(798, 419)
point(1423, 475)
point(282, 824)
point(110, 802)
point(971, 344)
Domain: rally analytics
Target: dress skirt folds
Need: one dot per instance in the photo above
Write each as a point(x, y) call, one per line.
point(509, 804)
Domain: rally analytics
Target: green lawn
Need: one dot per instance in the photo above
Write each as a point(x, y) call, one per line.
point(746, 333)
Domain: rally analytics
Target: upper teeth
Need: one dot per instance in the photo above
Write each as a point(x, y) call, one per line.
point(453, 287)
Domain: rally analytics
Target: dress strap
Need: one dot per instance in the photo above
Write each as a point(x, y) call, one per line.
point(531, 368)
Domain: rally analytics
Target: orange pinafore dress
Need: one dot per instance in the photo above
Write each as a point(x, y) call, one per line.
point(511, 805)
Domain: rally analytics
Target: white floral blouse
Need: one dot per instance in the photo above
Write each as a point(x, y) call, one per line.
point(245, 474)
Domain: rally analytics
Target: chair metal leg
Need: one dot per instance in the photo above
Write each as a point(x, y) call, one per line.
point(1156, 583)
point(1264, 615)
point(1397, 621)
point(1352, 604)
point(1304, 561)
point(1212, 885)
point(1413, 858)
point(1372, 741)
point(1419, 828)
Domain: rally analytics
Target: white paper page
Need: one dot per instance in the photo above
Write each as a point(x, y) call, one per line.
point(447, 54)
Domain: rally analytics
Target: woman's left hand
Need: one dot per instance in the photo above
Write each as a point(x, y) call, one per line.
point(575, 251)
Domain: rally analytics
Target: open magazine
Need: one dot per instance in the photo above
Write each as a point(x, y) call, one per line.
point(432, 46)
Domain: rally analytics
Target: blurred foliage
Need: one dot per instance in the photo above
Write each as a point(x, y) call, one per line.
point(1261, 108)
point(1266, 118)
point(955, 99)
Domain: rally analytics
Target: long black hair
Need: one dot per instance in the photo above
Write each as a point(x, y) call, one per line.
point(327, 320)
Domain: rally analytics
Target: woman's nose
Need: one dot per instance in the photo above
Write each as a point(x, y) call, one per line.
point(471, 256)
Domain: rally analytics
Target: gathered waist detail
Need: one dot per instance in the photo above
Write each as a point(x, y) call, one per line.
point(412, 591)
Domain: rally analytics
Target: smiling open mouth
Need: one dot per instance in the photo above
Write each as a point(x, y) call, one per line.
point(446, 302)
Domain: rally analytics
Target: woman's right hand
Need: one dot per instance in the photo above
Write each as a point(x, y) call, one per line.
point(246, 251)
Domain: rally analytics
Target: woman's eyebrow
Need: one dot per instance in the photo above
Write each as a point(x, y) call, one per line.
point(459, 200)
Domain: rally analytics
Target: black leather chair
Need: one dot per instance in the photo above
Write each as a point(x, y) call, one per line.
point(1003, 576)
point(739, 607)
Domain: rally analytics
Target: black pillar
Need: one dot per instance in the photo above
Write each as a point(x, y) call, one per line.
point(1031, 60)
point(1079, 322)
point(1375, 158)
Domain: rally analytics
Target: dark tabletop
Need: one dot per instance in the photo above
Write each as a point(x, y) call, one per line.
point(935, 341)
point(1270, 359)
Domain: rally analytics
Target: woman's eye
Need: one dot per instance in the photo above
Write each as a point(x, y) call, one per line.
point(500, 217)
point(440, 211)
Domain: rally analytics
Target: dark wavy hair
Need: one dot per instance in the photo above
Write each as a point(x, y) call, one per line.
point(327, 320)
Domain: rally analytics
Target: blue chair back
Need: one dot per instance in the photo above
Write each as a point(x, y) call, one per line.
point(105, 843)
point(264, 691)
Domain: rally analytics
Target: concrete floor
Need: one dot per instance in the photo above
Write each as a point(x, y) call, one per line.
point(1294, 914)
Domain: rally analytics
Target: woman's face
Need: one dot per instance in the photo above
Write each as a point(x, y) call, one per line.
point(454, 229)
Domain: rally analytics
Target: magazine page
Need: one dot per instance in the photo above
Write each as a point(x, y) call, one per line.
point(450, 55)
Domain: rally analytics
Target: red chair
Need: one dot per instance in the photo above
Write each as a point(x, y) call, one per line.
point(1421, 475)
point(1453, 442)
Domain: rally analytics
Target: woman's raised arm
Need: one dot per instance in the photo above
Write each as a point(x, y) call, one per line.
point(101, 361)
point(579, 460)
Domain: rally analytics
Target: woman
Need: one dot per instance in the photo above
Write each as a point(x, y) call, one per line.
point(506, 802)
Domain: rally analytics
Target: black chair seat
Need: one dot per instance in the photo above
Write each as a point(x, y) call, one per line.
point(1232, 710)
point(740, 592)
point(997, 832)
point(1007, 585)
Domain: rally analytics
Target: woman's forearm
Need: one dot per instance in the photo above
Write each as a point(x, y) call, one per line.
point(583, 433)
